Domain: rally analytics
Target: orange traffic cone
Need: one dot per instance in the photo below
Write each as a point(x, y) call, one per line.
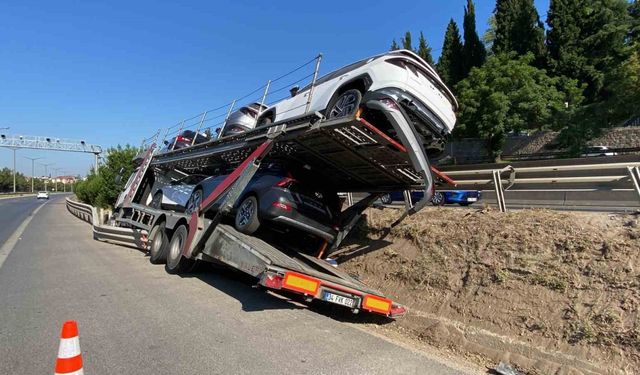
point(69, 358)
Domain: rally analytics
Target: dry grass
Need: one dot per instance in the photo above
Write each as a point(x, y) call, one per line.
point(572, 278)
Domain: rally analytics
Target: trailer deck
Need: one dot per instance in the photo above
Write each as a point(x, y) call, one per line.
point(350, 154)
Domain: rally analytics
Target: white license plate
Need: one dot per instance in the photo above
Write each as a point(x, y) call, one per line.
point(340, 300)
point(470, 199)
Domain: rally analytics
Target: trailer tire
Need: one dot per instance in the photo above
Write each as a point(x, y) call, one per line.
point(158, 244)
point(176, 263)
point(246, 220)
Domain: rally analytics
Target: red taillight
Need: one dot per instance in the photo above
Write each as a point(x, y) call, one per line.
point(397, 310)
point(182, 139)
point(273, 281)
point(390, 103)
point(285, 182)
point(282, 206)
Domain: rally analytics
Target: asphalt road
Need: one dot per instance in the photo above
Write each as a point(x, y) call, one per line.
point(13, 211)
point(134, 318)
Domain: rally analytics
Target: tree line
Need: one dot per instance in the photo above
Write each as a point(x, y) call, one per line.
point(23, 183)
point(579, 75)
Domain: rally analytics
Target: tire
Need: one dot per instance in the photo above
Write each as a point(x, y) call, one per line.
point(158, 244)
point(246, 220)
point(438, 199)
point(386, 199)
point(345, 105)
point(265, 121)
point(156, 201)
point(194, 202)
point(176, 263)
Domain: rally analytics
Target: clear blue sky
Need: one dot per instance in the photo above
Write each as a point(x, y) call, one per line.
point(113, 72)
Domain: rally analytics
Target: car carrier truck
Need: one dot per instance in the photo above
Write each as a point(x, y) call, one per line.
point(349, 153)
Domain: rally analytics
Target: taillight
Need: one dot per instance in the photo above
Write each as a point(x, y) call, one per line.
point(285, 182)
point(397, 310)
point(282, 206)
point(390, 103)
point(273, 281)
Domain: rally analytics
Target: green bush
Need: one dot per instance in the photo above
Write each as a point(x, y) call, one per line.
point(102, 190)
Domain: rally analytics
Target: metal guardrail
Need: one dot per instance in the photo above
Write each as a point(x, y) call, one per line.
point(598, 177)
point(121, 236)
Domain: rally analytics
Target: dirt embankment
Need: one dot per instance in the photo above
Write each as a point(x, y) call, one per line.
point(551, 292)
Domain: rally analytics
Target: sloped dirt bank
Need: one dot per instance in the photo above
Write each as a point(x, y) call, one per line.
point(551, 292)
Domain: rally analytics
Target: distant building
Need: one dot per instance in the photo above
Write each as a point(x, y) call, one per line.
point(63, 179)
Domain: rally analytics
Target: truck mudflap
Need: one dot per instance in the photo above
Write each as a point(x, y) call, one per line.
point(317, 288)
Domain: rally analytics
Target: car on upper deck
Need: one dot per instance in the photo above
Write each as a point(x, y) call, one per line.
point(397, 78)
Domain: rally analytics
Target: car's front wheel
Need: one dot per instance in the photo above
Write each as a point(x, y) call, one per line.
point(246, 220)
point(156, 201)
point(193, 204)
point(386, 199)
point(438, 199)
point(345, 105)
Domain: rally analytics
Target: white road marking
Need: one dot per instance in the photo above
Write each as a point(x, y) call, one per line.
point(15, 237)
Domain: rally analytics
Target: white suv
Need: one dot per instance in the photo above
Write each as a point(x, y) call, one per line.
point(400, 76)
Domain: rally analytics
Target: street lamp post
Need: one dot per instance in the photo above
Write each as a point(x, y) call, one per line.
point(46, 173)
point(14, 170)
point(33, 170)
point(55, 170)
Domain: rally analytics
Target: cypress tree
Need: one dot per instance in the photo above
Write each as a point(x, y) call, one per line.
point(424, 51)
point(565, 20)
point(519, 29)
point(406, 41)
point(394, 46)
point(450, 64)
point(634, 11)
point(587, 40)
point(473, 49)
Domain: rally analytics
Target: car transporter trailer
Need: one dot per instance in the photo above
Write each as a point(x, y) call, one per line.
point(362, 158)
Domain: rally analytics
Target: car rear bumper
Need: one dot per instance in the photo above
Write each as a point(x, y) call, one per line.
point(326, 233)
point(416, 111)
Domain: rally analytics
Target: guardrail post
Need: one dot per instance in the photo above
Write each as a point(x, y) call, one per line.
point(634, 172)
point(497, 183)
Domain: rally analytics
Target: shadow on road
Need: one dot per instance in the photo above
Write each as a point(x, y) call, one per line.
point(242, 288)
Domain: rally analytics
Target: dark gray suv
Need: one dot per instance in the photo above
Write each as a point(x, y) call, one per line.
point(275, 196)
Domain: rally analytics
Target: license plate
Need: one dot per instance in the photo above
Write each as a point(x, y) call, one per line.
point(470, 199)
point(338, 299)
